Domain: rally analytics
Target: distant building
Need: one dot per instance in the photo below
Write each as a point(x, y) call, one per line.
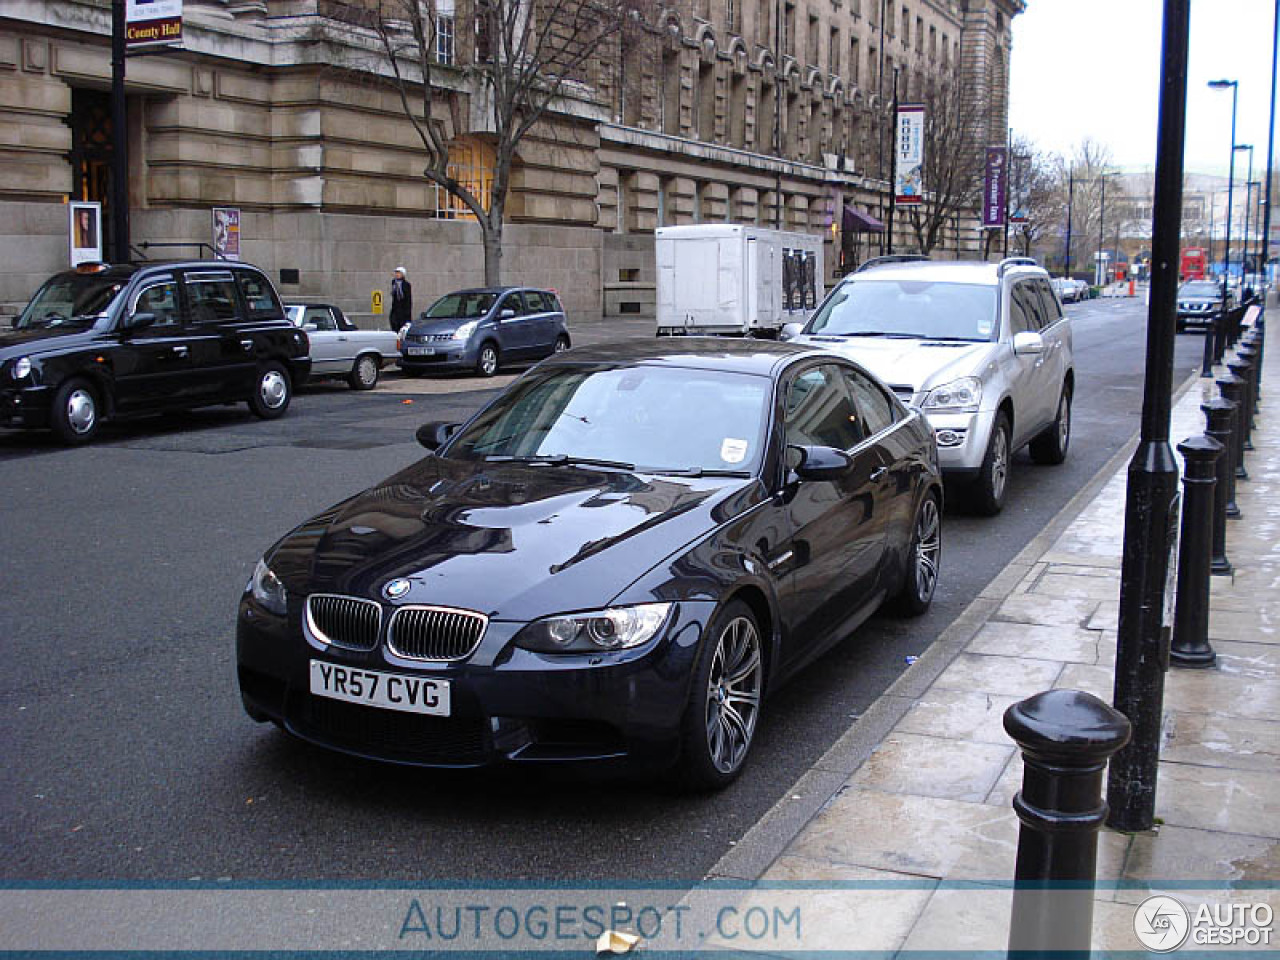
point(278, 108)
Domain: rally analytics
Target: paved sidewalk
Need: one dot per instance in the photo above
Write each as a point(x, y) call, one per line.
point(920, 788)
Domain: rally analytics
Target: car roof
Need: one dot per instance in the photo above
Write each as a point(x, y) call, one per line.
point(130, 268)
point(948, 271)
point(732, 355)
point(493, 290)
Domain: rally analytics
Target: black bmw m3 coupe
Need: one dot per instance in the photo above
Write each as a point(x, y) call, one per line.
point(616, 560)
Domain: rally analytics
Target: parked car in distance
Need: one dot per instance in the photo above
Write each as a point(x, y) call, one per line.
point(1070, 290)
point(341, 349)
point(585, 571)
point(983, 349)
point(105, 341)
point(1199, 301)
point(483, 329)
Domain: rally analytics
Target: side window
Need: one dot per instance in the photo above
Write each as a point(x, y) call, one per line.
point(533, 302)
point(819, 412)
point(1021, 316)
point(259, 296)
point(878, 412)
point(511, 301)
point(211, 296)
point(160, 298)
point(1049, 303)
point(321, 317)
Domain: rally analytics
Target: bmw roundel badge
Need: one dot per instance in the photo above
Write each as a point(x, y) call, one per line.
point(396, 589)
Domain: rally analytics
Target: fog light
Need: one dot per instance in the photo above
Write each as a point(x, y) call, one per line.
point(949, 438)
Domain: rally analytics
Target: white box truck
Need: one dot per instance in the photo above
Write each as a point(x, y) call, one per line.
point(737, 280)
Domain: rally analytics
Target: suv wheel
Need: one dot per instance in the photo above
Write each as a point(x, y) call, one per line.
point(993, 476)
point(1051, 446)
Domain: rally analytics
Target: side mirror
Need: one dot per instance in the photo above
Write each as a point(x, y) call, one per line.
point(139, 321)
point(506, 314)
point(434, 434)
point(818, 463)
point(790, 331)
point(1027, 343)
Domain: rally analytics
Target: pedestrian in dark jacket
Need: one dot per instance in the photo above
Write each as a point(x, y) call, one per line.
point(401, 300)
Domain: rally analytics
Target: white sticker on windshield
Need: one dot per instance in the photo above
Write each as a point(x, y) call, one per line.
point(984, 327)
point(733, 451)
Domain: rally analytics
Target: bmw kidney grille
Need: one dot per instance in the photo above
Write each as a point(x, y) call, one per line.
point(435, 633)
point(344, 621)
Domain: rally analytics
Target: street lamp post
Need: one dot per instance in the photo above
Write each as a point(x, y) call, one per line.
point(1249, 221)
point(1226, 253)
point(1102, 219)
point(1244, 246)
point(1071, 194)
point(1151, 512)
point(1271, 131)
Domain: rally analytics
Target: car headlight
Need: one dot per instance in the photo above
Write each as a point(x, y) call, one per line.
point(268, 590)
point(466, 330)
point(21, 368)
point(616, 628)
point(964, 394)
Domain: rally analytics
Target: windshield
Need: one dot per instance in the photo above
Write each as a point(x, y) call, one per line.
point(1201, 288)
point(661, 419)
point(462, 305)
point(70, 299)
point(908, 308)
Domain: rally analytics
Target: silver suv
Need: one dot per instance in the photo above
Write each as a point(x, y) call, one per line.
point(982, 348)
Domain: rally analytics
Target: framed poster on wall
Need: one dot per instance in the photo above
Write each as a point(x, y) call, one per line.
point(84, 231)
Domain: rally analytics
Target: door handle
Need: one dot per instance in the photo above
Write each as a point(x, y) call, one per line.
point(181, 351)
point(247, 345)
point(878, 473)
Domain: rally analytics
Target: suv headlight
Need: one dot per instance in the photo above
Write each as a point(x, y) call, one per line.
point(963, 395)
point(268, 590)
point(21, 368)
point(616, 628)
point(465, 331)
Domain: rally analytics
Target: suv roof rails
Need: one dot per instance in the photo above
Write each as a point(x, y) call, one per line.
point(891, 258)
point(1008, 262)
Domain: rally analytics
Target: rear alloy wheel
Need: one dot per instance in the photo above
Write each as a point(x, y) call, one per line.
point(272, 393)
point(75, 412)
point(562, 344)
point(364, 375)
point(1051, 446)
point(988, 489)
point(923, 559)
point(487, 362)
point(720, 721)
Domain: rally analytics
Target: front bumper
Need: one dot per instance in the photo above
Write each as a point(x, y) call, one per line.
point(1200, 319)
point(508, 705)
point(962, 440)
point(448, 355)
point(25, 407)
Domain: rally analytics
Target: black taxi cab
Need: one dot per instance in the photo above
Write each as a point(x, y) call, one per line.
point(117, 340)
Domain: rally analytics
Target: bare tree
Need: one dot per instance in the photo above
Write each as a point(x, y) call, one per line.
point(527, 59)
point(1086, 166)
point(1036, 193)
point(952, 171)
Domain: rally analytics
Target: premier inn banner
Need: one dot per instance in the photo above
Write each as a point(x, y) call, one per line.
point(152, 22)
point(909, 177)
point(994, 187)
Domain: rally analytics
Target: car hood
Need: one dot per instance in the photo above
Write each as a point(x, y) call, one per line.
point(15, 343)
point(919, 364)
point(513, 541)
point(440, 324)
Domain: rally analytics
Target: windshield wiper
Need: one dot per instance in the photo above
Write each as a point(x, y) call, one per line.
point(880, 333)
point(560, 459)
point(700, 472)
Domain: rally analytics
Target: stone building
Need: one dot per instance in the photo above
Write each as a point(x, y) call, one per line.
point(757, 111)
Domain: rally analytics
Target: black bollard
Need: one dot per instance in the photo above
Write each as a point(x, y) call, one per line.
point(1066, 738)
point(1190, 646)
point(1232, 388)
point(1206, 362)
point(1218, 414)
point(1243, 369)
point(1219, 336)
point(1248, 352)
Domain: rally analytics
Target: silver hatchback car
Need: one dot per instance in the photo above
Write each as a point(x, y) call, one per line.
point(983, 349)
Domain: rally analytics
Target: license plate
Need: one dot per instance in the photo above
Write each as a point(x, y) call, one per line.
point(421, 351)
point(390, 691)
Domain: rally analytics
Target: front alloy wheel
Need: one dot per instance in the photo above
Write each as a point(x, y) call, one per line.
point(487, 362)
point(724, 706)
point(993, 475)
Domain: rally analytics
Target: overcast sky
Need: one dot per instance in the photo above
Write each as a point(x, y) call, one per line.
point(1092, 68)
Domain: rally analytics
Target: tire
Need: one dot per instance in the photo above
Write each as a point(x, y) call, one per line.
point(1050, 447)
point(271, 392)
point(561, 345)
point(364, 375)
point(76, 412)
point(988, 490)
point(719, 723)
point(920, 581)
point(489, 359)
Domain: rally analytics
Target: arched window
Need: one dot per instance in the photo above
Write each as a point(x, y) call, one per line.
point(669, 98)
point(737, 109)
point(705, 104)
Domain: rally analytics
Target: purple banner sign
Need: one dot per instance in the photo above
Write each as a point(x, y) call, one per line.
point(993, 187)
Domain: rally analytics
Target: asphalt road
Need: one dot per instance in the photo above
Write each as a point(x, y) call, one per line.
point(127, 755)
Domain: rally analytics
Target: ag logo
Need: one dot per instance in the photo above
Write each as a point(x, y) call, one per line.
point(1161, 924)
point(396, 589)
